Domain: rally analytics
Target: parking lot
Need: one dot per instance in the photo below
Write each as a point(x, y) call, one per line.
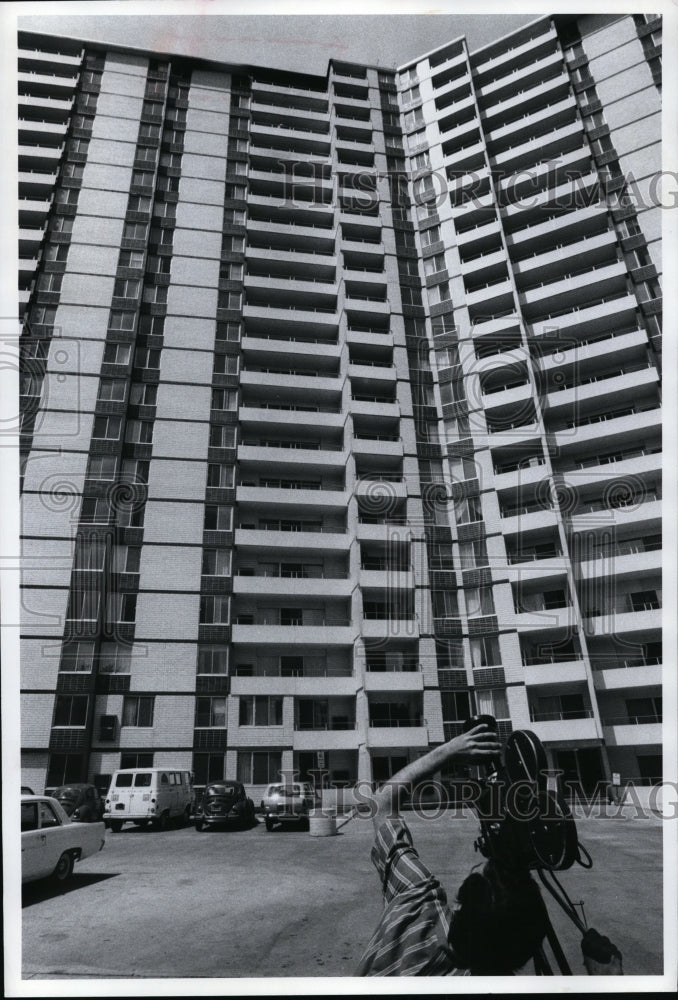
point(247, 903)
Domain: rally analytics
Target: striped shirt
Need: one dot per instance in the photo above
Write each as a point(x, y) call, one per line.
point(411, 939)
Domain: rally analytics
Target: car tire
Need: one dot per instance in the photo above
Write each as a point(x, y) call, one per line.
point(162, 821)
point(185, 817)
point(116, 825)
point(269, 823)
point(199, 825)
point(64, 867)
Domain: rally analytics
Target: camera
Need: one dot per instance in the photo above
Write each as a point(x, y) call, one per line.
point(524, 824)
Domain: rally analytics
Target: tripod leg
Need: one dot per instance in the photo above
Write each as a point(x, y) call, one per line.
point(558, 952)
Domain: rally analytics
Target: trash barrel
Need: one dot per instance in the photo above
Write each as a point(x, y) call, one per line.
point(322, 824)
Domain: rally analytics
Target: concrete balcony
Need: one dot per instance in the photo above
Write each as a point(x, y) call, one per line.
point(520, 477)
point(316, 541)
point(294, 635)
point(460, 132)
point(550, 264)
point(319, 353)
point(294, 686)
point(585, 352)
point(385, 533)
point(567, 730)
point(317, 384)
point(275, 90)
point(459, 82)
point(261, 496)
point(290, 418)
point(622, 566)
point(628, 678)
point(594, 318)
point(498, 295)
point(386, 579)
point(58, 60)
point(375, 408)
point(551, 618)
point(377, 375)
point(581, 222)
point(484, 261)
point(381, 487)
point(33, 211)
point(529, 521)
point(53, 133)
point(281, 458)
point(633, 735)
point(325, 739)
point(559, 112)
point(369, 308)
point(40, 156)
point(606, 281)
point(385, 737)
point(538, 569)
point(515, 435)
point(290, 138)
point(537, 45)
point(405, 680)
point(363, 337)
point(294, 315)
point(362, 246)
point(536, 150)
point(508, 397)
point(546, 674)
point(367, 446)
point(614, 429)
point(270, 586)
point(468, 155)
point(384, 628)
point(644, 516)
point(259, 105)
point(534, 69)
point(524, 97)
point(27, 267)
point(35, 182)
point(287, 256)
point(313, 238)
point(617, 387)
point(303, 293)
point(624, 622)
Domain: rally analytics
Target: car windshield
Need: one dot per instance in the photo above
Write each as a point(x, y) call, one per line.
point(288, 790)
point(67, 792)
point(222, 789)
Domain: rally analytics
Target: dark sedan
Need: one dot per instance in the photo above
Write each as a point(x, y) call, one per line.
point(224, 803)
point(80, 801)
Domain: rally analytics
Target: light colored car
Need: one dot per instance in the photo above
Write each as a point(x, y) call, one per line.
point(286, 802)
point(50, 842)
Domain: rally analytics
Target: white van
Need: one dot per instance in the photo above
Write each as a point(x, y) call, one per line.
point(149, 795)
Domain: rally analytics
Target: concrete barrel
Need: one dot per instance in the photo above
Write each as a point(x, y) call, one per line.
point(322, 824)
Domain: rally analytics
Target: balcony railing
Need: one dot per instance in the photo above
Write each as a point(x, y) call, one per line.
point(396, 723)
point(538, 660)
point(633, 720)
point(629, 663)
point(579, 713)
point(332, 726)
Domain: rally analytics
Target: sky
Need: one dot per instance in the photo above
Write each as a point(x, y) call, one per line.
point(292, 41)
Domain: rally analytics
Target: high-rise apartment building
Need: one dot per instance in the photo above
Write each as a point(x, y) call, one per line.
point(341, 409)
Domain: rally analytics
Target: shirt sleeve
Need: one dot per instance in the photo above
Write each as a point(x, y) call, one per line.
point(411, 938)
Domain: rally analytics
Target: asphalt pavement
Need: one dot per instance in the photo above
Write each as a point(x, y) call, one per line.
point(248, 903)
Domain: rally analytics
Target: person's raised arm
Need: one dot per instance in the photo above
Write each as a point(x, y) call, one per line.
point(477, 746)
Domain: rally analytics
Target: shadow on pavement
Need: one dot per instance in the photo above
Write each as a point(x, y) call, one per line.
point(44, 889)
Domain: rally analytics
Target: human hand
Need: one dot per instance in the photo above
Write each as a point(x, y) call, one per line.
point(476, 745)
point(601, 957)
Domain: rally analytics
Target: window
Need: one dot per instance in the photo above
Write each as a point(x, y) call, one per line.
point(234, 216)
point(456, 705)
point(134, 231)
point(158, 265)
point(149, 131)
point(139, 203)
point(66, 196)
point(107, 428)
point(142, 178)
point(212, 660)
point(218, 517)
point(55, 252)
point(434, 264)
point(139, 432)
point(151, 325)
point(439, 293)
point(216, 562)
point(77, 658)
point(127, 558)
point(220, 476)
point(114, 659)
point(233, 272)
point(78, 146)
point(165, 210)
point(222, 436)
point(485, 652)
point(413, 94)
point(229, 331)
point(135, 760)
point(137, 710)
point(259, 767)
point(208, 767)
point(234, 244)
point(48, 817)
point(260, 710)
point(49, 282)
point(43, 316)
point(155, 294)
point(492, 701)
point(230, 300)
point(412, 119)
point(95, 510)
point(468, 510)
point(112, 389)
point(151, 108)
point(210, 713)
point(421, 161)
point(473, 553)
point(224, 399)
point(131, 258)
point(117, 354)
point(61, 224)
point(226, 364)
point(427, 210)
point(147, 154)
point(143, 394)
point(89, 553)
point(146, 357)
point(240, 168)
point(215, 610)
point(70, 710)
point(135, 470)
point(122, 608)
point(119, 320)
point(416, 139)
point(479, 601)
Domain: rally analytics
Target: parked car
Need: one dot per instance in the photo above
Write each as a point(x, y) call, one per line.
point(50, 842)
point(286, 802)
point(25, 790)
point(149, 795)
point(222, 803)
point(81, 802)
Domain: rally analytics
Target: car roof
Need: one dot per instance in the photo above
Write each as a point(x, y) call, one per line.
point(38, 798)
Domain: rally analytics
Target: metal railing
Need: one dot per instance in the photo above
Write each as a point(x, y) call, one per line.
point(579, 713)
